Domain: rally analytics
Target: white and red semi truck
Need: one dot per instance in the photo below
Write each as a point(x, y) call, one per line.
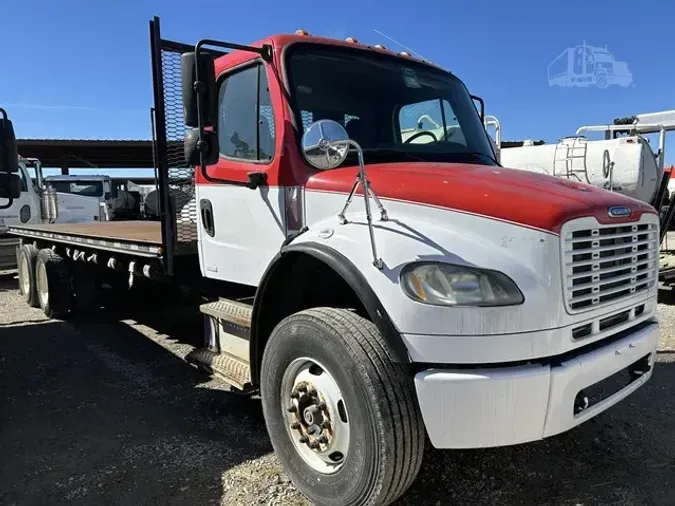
point(449, 298)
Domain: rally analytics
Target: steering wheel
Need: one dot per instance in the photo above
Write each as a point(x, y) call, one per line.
point(420, 134)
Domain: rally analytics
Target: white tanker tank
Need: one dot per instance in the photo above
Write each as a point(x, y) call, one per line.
point(623, 162)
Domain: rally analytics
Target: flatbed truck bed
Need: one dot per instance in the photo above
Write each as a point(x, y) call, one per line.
point(141, 238)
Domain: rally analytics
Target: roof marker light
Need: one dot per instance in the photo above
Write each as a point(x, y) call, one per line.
point(404, 53)
point(302, 32)
point(380, 46)
point(352, 40)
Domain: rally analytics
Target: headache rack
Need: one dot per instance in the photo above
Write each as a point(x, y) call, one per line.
point(175, 178)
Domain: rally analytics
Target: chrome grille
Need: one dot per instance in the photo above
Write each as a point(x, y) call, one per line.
point(604, 263)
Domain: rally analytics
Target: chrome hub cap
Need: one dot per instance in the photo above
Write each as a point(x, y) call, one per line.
point(316, 415)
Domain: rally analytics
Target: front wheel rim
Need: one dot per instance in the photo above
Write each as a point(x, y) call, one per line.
point(316, 415)
point(42, 288)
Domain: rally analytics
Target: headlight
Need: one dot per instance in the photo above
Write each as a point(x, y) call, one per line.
point(454, 285)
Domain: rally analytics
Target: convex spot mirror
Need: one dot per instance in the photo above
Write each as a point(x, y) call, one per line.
point(325, 144)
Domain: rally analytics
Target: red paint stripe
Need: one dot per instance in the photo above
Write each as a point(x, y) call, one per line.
point(533, 200)
point(433, 206)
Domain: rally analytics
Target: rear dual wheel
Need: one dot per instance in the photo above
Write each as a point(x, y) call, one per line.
point(341, 414)
point(53, 284)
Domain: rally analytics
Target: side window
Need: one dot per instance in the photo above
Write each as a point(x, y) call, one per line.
point(245, 116)
point(24, 182)
point(434, 117)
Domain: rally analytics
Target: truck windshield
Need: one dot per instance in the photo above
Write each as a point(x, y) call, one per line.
point(86, 188)
point(396, 110)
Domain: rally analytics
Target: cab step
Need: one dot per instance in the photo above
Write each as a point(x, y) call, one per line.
point(226, 352)
point(229, 368)
point(229, 310)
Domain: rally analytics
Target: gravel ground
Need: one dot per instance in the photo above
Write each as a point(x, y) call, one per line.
point(104, 411)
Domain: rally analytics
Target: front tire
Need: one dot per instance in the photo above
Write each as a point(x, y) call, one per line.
point(342, 416)
point(26, 260)
point(53, 284)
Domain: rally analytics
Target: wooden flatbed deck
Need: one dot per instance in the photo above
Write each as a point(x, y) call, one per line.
point(138, 237)
point(148, 232)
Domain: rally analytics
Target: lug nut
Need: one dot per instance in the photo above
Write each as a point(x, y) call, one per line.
point(295, 395)
point(314, 445)
point(312, 392)
point(321, 406)
point(292, 408)
point(304, 439)
point(325, 424)
point(302, 389)
point(322, 439)
point(295, 426)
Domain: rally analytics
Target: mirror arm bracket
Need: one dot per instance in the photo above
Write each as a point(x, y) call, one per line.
point(368, 192)
point(256, 179)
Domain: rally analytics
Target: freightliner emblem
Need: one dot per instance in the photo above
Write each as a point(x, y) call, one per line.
point(619, 211)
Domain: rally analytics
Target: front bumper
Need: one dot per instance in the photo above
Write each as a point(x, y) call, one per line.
point(498, 406)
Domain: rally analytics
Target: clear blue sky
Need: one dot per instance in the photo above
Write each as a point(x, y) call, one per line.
point(81, 69)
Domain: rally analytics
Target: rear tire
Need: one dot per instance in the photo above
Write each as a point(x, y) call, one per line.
point(53, 284)
point(375, 423)
point(26, 260)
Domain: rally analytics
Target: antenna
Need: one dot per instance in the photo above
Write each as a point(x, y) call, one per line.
point(398, 43)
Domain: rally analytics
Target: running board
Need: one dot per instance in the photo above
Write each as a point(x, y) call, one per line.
point(227, 326)
point(229, 310)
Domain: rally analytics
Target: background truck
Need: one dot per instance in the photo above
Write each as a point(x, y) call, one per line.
point(373, 290)
point(38, 204)
point(121, 201)
point(622, 161)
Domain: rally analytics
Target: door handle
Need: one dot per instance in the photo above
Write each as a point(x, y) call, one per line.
point(206, 211)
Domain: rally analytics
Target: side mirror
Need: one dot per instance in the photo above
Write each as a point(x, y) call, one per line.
point(9, 156)
point(191, 147)
point(10, 186)
point(481, 111)
point(325, 144)
point(208, 93)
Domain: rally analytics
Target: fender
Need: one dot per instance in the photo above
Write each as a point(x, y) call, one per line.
point(351, 275)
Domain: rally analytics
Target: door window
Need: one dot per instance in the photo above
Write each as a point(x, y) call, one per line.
point(245, 116)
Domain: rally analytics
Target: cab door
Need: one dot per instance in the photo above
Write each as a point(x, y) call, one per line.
point(241, 229)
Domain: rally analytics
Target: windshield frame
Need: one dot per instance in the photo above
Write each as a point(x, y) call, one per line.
point(488, 158)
